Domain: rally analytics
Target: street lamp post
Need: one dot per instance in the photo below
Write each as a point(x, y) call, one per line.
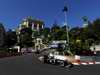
point(85, 21)
point(65, 9)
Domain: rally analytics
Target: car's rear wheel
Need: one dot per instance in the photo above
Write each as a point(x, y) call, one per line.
point(69, 65)
point(62, 63)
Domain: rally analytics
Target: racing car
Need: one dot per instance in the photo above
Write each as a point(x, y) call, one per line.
point(57, 58)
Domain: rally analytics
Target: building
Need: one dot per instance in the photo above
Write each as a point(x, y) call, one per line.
point(95, 48)
point(29, 22)
point(34, 24)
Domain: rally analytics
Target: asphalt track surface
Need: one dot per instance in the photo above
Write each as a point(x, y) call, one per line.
point(30, 65)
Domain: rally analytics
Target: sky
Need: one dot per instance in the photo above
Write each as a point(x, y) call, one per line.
point(13, 11)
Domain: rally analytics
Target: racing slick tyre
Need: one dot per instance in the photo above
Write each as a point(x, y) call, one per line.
point(45, 60)
point(51, 61)
point(69, 65)
point(37, 52)
point(62, 63)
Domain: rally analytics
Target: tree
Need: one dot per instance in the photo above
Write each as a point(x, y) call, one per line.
point(26, 37)
point(2, 36)
point(87, 35)
point(45, 35)
point(96, 28)
point(54, 31)
point(11, 38)
point(79, 37)
point(75, 34)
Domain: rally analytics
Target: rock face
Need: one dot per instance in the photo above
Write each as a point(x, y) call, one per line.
point(2, 35)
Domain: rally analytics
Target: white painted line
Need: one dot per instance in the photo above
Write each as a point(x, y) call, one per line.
point(91, 63)
point(84, 63)
point(76, 63)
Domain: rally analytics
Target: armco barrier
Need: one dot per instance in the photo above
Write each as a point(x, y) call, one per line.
point(87, 58)
point(97, 58)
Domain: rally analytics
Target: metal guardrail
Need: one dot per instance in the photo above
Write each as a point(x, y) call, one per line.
point(90, 58)
point(87, 58)
point(97, 58)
